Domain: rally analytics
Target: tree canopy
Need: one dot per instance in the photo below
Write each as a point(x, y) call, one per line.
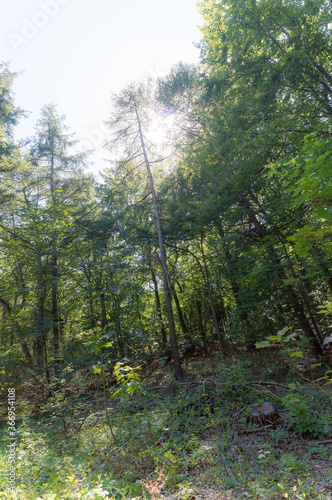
point(218, 192)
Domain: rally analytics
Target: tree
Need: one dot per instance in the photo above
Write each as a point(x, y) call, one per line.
point(264, 85)
point(9, 116)
point(131, 116)
point(60, 179)
point(11, 161)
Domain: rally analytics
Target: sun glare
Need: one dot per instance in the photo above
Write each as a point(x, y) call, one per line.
point(161, 131)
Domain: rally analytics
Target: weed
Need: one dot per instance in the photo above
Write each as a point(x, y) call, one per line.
point(303, 419)
point(299, 491)
point(155, 487)
point(130, 383)
point(195, 434)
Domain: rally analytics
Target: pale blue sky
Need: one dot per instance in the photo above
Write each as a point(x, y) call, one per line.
point(76, 52)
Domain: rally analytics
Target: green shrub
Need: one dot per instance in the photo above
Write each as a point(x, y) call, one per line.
point(303, 420)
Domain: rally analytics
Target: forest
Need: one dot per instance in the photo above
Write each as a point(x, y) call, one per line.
point(146, 314)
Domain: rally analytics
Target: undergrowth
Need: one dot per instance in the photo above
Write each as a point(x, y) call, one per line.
point(201, 440)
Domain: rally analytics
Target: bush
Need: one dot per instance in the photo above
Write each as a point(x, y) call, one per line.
point(303, 419)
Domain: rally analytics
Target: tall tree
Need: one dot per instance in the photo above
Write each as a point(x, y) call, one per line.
point(129, 124)
point(60, 177)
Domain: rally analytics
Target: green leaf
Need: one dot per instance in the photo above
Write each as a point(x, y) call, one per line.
point(263, 343)
point(117, 392)
point(108, 344)
point(130, 390)
point(296, 354)
point(283, 331)
point(290, 336)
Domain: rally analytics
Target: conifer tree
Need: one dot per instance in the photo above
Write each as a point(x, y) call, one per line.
point(129, 123)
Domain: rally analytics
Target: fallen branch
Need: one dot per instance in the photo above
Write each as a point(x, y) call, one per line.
point(64, 424)
point(155, 444)
point(82, 423)
point(211, 382)
point(222, 456)
point(259, 382)
point(263, 389)
point(106, 457)
point(238, 413)
point(195, 383)
point(327, 441)
point(156, 387)
point(258, 429)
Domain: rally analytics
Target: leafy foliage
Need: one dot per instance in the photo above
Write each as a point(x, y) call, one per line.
point(233, 222)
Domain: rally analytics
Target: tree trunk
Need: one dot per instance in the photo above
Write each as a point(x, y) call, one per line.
point(326, 272)
point(103, 309)
point(213, 309)
point(38, 341)
point(297, 307)
point(184, 327)
point(304, 292)
point(25, 349)
point(158, 306)
point(91, 308)
point(171, 325)
point(55, 317)
point(87, 272)
point(205, 275)
point(200, 325)
point(26, 352)
point(55, 276)
point(116, 317)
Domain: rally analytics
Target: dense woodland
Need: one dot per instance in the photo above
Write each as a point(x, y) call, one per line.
point(242, 195)
point(210, 230)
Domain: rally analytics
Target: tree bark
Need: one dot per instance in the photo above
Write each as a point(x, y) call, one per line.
point(326, 272)
point(213, 309)
point(158, 307)
point(304, 291)
point(183, 324)
point(39, 344)
point(25, 349)
point(103, 309)
point(116, 317)
point(200, 324)
point(208, 287)
point(297, 306)
point(55, 275)
point(39, 339)
point(171, 325)
point(26, 352)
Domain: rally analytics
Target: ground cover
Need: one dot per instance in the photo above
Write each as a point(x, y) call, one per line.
point(202, 446)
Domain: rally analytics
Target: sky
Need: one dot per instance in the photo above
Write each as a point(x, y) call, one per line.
point(75, 53)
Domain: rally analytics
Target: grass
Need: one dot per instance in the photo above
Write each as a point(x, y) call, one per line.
point(201, 449)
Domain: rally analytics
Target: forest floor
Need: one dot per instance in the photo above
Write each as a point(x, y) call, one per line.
point(201, 443)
